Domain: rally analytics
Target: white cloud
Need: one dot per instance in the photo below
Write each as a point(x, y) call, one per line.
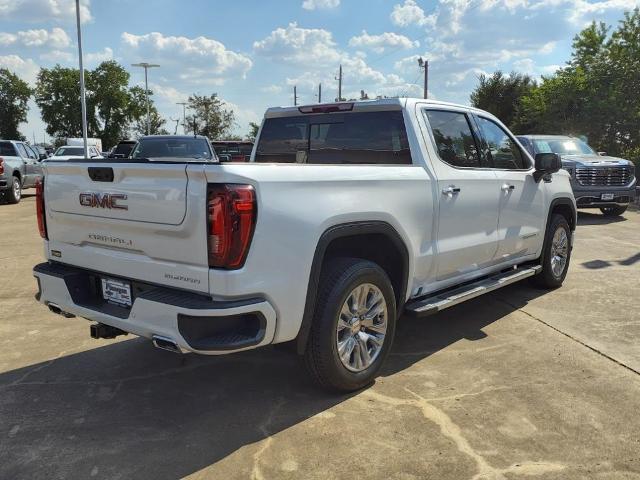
point(56, 38)
point(410, 13)
point(98, 57)
point(524, 65)
point(39, 11)
point(378, 43)
point(26, 69)
point(200, 60)
point(57, 56)
point(299, 46)
point(320, 4)
point(271, 89)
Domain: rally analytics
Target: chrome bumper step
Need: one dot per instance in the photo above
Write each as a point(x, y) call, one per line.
point(449, 298)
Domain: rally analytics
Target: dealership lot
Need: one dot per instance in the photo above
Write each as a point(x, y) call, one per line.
point(519, 383)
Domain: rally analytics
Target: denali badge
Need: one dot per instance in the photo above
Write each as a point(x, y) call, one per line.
point(103, 200)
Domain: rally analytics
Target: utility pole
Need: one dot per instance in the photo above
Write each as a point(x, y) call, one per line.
point(425, 65)
point(184, 117)
point(339, 78)
point(177, 120)
point(295, 95)
point(146, 67)
point(83, 98)
point(319, 93)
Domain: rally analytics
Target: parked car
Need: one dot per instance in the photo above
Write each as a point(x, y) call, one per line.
point(92, 142)
point(123, 149)
point(67, 152)
point(233, 150)
point(174, 146)
point(19, 169)
point(348, 215)
point(597, 180)
point(40, 151)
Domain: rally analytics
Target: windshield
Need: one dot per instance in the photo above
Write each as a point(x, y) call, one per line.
point(196, 148)
point(563, 146)
point(79, 151)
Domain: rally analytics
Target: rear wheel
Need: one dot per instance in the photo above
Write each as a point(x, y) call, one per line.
point(556, 254)
point(15, 192)
point(353, 325)
point(614, 211)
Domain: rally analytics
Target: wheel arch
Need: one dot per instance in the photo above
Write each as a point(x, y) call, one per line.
point(565, 207)
point(341, 240)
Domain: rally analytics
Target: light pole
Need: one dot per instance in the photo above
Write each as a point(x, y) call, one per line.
point(83, 99)
point(184, 117)
point(146, 67)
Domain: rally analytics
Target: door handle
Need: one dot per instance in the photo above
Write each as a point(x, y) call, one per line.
point(507, 188)
point(451, 190)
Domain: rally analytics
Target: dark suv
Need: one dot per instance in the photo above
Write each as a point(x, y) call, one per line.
point(598, 181)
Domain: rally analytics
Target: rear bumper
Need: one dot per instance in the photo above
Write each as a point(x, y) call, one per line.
point(195, 322)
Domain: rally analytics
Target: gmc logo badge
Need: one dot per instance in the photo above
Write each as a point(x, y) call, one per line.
point(103, 200)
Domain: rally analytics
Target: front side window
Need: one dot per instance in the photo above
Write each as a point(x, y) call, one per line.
point(503, 150)
point(338, 138)
point(454, 139)
point(22, 150)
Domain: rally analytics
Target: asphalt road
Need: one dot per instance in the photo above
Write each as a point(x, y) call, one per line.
point(517, 384)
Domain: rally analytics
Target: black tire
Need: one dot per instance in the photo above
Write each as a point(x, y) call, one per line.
point(614, 211)
point(340, 277)
point(549, 278)
point(14, 194)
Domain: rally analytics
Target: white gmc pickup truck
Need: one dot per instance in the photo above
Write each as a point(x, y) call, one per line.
point(347, 215)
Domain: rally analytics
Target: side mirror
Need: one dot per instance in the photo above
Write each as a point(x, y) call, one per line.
point(546, 163)
point(602, 154)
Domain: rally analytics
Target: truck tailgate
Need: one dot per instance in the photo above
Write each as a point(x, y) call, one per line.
point(138, 220)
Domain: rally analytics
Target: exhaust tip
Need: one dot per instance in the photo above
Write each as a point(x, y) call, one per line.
point(165, 343)
point(58, 311)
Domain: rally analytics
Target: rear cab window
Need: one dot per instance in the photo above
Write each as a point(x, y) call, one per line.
point(7, 150)
point(377, 137)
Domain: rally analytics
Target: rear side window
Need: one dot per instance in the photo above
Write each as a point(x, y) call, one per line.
point(22, 150)
point(454, 139)
point(341, 138)
point(7, 149)
point(504, 152)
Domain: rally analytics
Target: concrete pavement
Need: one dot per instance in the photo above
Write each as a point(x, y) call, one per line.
point(517, 384)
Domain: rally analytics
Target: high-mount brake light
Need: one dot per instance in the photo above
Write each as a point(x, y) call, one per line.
point(231, 217)
point(1, 165)
point(40, 212)
point(327, 108)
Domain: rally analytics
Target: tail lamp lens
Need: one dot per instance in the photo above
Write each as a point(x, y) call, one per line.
point(40, 213)
point(1, 165)
point(231, 219)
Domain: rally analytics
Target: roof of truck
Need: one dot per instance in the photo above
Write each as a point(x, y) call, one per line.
point(366, 105)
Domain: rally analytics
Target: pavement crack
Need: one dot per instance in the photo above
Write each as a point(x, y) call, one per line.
point(453, 432)
point(571, 337)
point(256, 472)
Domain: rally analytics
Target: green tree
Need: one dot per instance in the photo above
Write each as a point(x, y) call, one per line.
point(156, 124)
point(210, 117)
point(14, 95)
point(253, 131)
point(112, 106)
point(501, 95)
point(58, 97)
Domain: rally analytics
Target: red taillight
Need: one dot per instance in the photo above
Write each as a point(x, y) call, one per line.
point(1, 165)
point(231, 210)
point(42, 221)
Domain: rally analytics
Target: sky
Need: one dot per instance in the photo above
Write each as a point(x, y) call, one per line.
point(252, 53)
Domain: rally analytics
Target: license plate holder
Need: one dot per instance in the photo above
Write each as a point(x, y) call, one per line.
point(607, 196)
point(116, 292)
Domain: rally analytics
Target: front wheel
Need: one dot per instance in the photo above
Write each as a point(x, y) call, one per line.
point(614, 211)
point(353, 324)
point(556, 254)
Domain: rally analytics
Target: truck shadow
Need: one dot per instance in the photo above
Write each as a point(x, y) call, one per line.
point(127, 410)
point(588, 218)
